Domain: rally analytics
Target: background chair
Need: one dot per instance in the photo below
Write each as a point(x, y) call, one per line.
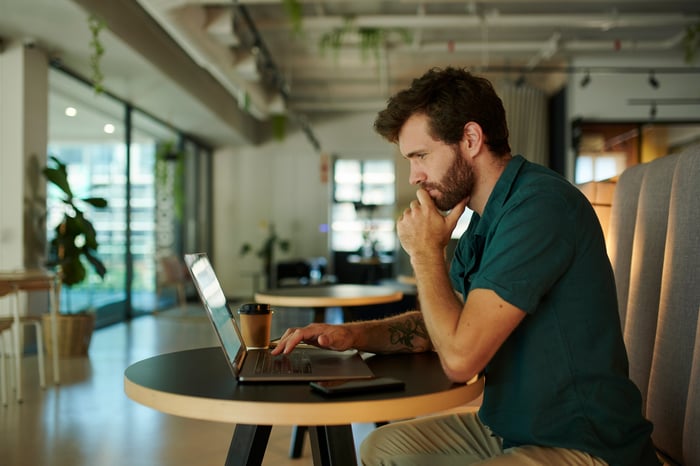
point(5, 327)
point(173, 273)
point(16, 324)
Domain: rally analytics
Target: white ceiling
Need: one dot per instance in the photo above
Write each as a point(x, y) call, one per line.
point(219, 69)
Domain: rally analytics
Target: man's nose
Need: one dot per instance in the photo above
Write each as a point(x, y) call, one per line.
point(416, 176)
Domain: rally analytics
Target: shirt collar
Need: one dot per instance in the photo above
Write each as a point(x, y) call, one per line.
point(501, 191)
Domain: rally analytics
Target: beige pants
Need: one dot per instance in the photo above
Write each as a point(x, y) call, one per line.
point(457, 439)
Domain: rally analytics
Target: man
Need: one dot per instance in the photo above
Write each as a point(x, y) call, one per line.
point(539, 314)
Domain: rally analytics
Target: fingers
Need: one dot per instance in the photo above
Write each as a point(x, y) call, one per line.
point(424, 198)
point(312, 334)
point(289, 340)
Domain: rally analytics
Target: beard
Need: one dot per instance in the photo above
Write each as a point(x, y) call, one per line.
point(456, 185)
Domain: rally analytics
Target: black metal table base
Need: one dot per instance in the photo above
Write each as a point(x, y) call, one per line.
point(248, 445)
point(250, 441)
point(343, 451)
point(296, 445)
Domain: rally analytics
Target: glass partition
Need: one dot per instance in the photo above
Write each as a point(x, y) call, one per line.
point(137, 163)
point(86, 133)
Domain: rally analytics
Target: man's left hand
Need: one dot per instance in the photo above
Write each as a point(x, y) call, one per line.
point(423, 230)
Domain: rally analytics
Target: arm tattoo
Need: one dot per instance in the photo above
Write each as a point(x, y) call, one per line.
point(404, 332)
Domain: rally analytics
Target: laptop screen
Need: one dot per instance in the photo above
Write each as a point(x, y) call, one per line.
point(214, 300)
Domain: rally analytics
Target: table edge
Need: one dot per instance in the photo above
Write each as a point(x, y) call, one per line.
point(289, 414)
point(326, 301)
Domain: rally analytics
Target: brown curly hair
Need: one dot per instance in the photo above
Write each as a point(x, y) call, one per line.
point(450, 98)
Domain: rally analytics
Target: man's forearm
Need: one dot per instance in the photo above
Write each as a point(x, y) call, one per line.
point(404, 333)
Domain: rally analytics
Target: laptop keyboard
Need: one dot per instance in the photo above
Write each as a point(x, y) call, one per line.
point(294, 363)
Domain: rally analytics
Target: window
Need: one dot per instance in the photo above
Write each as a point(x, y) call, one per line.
point(598, 167)
point(363, 206)
point(605, 150)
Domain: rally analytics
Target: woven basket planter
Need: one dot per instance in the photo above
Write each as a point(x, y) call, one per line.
point(74, 334)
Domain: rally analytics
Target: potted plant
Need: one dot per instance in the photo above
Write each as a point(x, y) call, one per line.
point(266, 252)
point(74, 244)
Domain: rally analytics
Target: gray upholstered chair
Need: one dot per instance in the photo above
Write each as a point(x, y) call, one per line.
point(623, 218)
point(669, 380)
point(654, 245)
point(646, 268)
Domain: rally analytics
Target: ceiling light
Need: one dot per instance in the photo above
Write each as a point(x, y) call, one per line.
point(586, 79)
point(653, 82)
point(109, 128)
point(71, 111)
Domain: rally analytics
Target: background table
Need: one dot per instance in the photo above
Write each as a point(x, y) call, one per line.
point(321, 297)
point(33, 280)
point(198, 384)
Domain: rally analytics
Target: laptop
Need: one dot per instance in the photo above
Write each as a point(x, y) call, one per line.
point(258, 365)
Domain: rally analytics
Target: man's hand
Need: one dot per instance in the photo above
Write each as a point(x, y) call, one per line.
point(335, 337)
point(424, 230)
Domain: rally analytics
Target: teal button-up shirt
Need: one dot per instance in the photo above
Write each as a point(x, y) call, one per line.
point(561, 378)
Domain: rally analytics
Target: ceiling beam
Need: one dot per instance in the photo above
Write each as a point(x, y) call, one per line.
point(127, 20)
point(603, 21)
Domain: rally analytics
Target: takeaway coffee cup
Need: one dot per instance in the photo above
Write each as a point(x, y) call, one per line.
point(256, 322)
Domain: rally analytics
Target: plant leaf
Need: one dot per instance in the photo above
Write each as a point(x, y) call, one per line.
point(96, 263)
point(72, 271)
point(58, 175)
point(98, 202)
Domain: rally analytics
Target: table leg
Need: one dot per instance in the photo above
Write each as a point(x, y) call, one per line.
point(332, 445)
point(296, 445)
point(319, 314)
point(54, 303)
point(248, 445)
point(16, 341)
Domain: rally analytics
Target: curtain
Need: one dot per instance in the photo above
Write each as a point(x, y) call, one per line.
point(526, 113)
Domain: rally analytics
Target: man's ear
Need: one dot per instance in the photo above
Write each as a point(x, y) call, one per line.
point(472, 139)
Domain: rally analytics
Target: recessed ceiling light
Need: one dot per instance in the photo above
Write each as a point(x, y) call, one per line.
point(71, 111)
point(109, 128)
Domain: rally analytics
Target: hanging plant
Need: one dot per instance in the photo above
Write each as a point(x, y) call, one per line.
point(96, 26)
point(691, 42)
point(293, 9)
point(170, 172)
point(279, 126)
point(370, 40)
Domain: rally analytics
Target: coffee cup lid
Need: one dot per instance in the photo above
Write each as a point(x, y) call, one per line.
point(254, 308)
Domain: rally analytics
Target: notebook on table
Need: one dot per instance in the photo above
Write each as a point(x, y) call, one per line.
point(258, 365)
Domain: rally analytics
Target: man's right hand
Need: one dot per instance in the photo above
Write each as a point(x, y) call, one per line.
point(334, 337)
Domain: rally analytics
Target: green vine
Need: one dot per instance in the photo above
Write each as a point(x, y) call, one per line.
point(293, 9)
point(167, 154)
point(279, 126)
point(96, 26)
point(691, 42)
point(371, 40)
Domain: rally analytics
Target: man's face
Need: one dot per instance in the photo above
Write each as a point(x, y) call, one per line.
point(441, 169)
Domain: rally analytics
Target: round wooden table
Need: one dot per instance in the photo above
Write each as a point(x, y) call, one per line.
point(199, 384)
point(321, 297)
